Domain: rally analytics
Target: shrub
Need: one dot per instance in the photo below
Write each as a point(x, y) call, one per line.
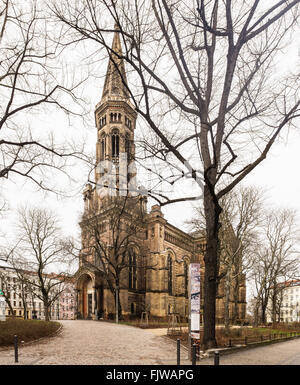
point(26, 330)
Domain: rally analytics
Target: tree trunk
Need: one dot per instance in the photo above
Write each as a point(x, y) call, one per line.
point(274, 308)
point(236, 295)
point(227, 302)
point(25, 310)
point(46, 309)
point(211, 260)
point(256, 315)
point(120, 307)
point(10, 307)
point(263, 313)
point(117, 295)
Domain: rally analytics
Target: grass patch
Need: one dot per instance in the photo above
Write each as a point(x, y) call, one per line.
point(151, 324)
point(26, 330)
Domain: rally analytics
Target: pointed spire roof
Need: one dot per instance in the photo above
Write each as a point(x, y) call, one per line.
point(116, 80)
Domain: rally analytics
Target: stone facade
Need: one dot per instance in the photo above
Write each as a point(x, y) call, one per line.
point(157, 280)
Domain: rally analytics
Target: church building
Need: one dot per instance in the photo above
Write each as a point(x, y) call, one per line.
point(131, 259)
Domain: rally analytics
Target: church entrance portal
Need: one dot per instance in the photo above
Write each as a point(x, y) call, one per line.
point(91, 297)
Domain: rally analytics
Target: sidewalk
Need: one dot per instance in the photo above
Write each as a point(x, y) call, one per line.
point(251, 354)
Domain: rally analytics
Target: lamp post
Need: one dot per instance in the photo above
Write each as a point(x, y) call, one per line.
point(117, 304)
point(2, 306)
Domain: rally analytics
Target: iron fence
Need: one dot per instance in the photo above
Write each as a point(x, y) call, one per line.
point(246, 340)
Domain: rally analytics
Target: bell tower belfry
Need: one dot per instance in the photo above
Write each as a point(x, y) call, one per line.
point(115, 115)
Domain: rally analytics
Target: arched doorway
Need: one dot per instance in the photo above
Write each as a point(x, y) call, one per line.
point(85, 287)
point(90, 298)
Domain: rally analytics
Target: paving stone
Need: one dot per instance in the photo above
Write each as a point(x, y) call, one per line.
point(96, 343)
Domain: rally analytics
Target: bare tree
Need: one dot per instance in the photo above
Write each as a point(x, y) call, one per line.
point(240, 219)
point(3, 209)
point(23, 278)
point(276, 259)
point(6, 289)
point(23, 293)
point(204, 81)
point(42, 250)
point(32, 81)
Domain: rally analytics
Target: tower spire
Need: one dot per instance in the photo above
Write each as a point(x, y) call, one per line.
point(115, 85)
point(115, 115)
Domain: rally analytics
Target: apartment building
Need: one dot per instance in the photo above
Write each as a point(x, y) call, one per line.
point(68, 302)
point(23, 300)
point(290, 308)
point(288, 302)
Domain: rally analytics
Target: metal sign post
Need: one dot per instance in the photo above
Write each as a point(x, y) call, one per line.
point(2, 306)
point(194, 304)
point(117, 305)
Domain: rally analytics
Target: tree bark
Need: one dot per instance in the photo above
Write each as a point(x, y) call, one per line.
point(46, 309)
point(227, 302)
point(10, 307)
point(212, 213)
point(263, 312)
point(236, 296)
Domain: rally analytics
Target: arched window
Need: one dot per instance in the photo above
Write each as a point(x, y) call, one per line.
point(127, 147)
point(103, 147)
point(127, 122)
point(170, 275)
point(102, 121)
point(115, 144)
point(132, 308)
point(132, 282)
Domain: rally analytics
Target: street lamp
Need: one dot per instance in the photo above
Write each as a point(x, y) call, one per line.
point(117, 305)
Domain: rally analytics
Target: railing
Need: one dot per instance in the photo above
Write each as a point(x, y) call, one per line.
point(10, 316)
point(235, 342)
point(247, 340)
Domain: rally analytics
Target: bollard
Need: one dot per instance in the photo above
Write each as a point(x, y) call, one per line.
point(194, 354)
point(217, 358)
point(178, 351)
point(16, 348)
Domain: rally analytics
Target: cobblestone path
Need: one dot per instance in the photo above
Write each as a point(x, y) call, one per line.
point(96, 343)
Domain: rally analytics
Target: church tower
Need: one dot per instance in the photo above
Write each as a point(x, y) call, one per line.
point(115, 116)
